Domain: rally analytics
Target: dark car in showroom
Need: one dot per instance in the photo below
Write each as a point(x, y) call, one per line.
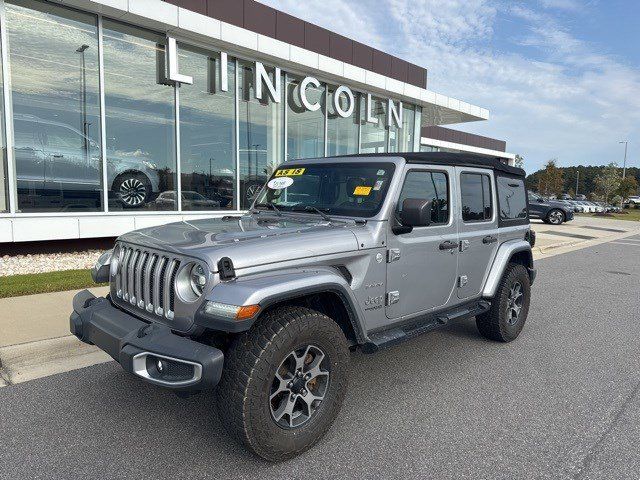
point(549, 211)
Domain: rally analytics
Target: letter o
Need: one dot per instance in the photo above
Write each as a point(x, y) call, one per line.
point(336, 101)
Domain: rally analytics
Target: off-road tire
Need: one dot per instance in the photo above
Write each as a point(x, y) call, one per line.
point(494, 324)
point(250, 365)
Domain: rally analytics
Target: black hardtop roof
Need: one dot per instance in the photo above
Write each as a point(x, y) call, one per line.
point(449, 158)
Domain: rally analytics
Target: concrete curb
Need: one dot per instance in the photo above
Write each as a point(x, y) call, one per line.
point(29, 361)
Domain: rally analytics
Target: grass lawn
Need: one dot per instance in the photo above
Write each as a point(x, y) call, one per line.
point(15, 285)
point(632, 215)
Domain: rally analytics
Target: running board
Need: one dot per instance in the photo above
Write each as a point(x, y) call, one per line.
point(395, 335)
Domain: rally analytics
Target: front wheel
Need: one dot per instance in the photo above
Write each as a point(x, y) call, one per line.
point(555, 217)
point(509, 307)
point(133, 189)
point(284, 382)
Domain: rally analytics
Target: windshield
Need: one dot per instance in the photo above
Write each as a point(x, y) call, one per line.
point(347, 189)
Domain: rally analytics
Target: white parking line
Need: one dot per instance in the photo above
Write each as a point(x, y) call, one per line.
point(627, 243)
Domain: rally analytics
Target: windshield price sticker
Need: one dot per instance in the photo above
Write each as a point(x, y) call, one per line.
point(280, 183)
point(290, 172)
point(362, 190)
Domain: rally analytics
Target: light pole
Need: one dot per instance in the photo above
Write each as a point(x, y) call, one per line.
point(624, 165)
point(83, 99)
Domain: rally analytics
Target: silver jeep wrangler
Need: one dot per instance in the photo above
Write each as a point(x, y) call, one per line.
point(336, 254)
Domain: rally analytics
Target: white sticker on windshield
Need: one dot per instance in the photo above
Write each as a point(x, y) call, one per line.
point(380, 172)
point(378, 185)
point(280, 183)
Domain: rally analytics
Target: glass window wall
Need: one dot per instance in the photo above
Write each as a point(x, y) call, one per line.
point(305, 128)
point(374, 136)
point(342, 132)
point(54, 69)
point(207, 132)
point(4, 181)
point(140, 119)
point(53, 54)
point(261, 134)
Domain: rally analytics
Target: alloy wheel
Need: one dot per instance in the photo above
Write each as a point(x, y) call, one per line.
point(556, 217)
point(133, 192)
point(299, 386)
point(514, 303)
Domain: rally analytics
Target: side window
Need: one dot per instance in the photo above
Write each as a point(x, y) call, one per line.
point(512, 198)
point(475, 189)
point(432, 186)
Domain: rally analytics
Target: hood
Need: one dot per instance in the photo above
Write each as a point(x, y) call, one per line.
point(249, 240)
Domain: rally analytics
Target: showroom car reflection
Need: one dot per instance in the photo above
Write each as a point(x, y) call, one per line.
point(53, 157)
point(190, 201)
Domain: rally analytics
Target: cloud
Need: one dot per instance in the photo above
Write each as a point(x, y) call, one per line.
point(570, 5)
point(550, 93)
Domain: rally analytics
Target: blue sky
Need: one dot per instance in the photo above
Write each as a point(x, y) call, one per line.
point(561, 78)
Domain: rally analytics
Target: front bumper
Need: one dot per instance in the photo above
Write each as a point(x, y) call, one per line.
point(149, 350)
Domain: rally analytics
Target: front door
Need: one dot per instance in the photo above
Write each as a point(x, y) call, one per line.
point(477, 227)
point(421, 269)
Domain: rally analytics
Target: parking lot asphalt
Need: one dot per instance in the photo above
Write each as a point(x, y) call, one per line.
point(562, 401)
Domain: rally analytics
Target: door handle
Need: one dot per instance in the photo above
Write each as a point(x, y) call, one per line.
point(489, 239)
point(448, 245)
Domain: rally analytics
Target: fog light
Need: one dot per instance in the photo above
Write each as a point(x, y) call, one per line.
point(160, 365)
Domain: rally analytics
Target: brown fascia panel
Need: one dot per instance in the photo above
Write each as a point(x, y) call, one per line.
point(230, 11)
point(464, 138)
point(289, 29)
point(260, 18)
point(381, 63)
point(199, 6)
point(399, 69)
point(265, 20)
point(340, 48)
point(362, 56)
point(316, 39)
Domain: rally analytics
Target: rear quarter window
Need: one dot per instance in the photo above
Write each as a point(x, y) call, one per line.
point(512, 199)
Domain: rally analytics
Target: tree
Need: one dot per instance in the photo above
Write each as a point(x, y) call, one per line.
point(608, 181)
point(519, 161)
point(628, 187)
point(550, 180)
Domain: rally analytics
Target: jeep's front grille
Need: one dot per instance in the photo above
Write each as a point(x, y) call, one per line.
point(146, 280)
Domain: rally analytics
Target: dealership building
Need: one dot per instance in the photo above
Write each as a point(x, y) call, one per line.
point(122, 114)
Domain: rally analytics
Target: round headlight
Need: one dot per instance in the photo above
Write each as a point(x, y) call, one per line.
point(191, 281)
point(198, 277)
point(116, 258)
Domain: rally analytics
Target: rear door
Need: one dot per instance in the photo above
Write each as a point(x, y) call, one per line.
point(421, 275)
point(477, 229)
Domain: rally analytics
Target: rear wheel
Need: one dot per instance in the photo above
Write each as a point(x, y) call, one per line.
point(284, 382)
point(555, 217)
point(509, 308)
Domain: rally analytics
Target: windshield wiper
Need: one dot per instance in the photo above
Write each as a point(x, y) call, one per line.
point(270, 205)
point(311, 208)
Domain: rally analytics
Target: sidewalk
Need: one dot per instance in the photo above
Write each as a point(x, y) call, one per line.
point(34, 329)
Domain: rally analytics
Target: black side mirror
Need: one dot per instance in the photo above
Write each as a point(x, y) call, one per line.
point(416, 212)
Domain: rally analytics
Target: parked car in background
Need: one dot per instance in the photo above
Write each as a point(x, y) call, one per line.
point(633, 201)
point(554, 212)
point(53, 156)
point(587, 207)
point(190, 201)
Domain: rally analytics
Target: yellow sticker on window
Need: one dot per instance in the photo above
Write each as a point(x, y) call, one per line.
point(290, 172)
point(362, 190)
